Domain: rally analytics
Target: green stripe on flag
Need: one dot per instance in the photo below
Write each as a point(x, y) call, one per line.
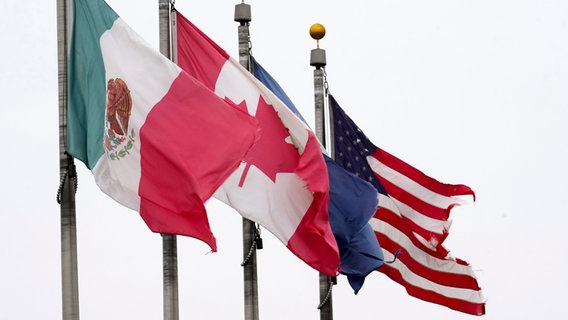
point(87, 87)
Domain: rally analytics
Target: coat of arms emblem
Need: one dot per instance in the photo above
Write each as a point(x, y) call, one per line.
point(118, 141)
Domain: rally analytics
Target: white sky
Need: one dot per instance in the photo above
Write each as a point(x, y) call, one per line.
point(471, 92)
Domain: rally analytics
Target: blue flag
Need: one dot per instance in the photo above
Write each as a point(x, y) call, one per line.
point(352, 203)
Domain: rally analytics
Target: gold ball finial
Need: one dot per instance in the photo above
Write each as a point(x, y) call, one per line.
point(317, 31)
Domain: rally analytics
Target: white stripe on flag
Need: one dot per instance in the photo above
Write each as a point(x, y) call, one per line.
point(397, 207)
point(127, 56)
point(419, 255)
point(430, 224)
point(469, 295)
point(412, 187)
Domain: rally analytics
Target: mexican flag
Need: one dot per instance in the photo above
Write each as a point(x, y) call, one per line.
point(156, 140)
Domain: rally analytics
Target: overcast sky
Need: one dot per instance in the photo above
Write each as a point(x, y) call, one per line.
point(471, 92)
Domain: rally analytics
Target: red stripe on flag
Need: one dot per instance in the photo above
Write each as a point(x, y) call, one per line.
point(444, 278)
point(313, 238)
point(448, 190)
point(186, 156)
point(408, 199)
point(391, 242)
point(306, 243)
point(196, 58)
point(430, 296)
point(398, 223)
point(430, 236)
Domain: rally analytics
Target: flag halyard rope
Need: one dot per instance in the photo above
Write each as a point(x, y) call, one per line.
point(70, 171)
point(328, 295)
point(255, 244)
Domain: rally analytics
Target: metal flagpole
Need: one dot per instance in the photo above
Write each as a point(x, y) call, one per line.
point(251, 234)
point(169, 242)
point(67, 188)
point(317, 60)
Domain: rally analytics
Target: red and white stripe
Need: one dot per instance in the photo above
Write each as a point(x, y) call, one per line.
point(413, 217)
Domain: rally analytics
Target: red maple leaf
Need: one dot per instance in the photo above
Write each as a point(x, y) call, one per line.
point(271, 154)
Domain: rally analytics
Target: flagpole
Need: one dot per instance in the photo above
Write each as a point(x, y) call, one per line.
point(251, 236)
point(169, 241)
point(317, 60)
point(67, 188)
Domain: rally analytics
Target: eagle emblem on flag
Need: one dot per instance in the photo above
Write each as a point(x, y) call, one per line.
point(118, 141)
point(119, 105)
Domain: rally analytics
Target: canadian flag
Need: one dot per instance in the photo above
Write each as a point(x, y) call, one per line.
point(282, 184)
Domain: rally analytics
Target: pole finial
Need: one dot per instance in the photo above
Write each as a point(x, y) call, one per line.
point(317, 32)
point(317, 58)
point(243, 13)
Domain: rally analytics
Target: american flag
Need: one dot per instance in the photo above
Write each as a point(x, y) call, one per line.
point(412, 216)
